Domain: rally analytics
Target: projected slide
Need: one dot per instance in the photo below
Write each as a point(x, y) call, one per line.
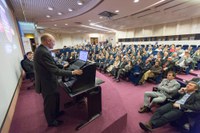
point(5, 24)
point(10, 56)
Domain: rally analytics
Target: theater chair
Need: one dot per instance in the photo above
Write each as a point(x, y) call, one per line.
point(198, 65)
point(174, 97)
point(157, 79)
point(125, 76)
point(189, 123)
point(186, 70)
point(135, 74)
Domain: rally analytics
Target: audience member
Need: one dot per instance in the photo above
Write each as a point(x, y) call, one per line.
point(27, 65)
point(154, 70)
point(172, 111)
point(166, 89)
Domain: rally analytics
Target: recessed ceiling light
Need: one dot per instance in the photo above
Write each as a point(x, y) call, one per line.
point(100, 17)
point(55, 24)
point(69, 9)
point(48, 16)
point(80, 2)
point(116, 10)
point(136, 1)
point(59, 13)
point(66, 24)
point(50, 8)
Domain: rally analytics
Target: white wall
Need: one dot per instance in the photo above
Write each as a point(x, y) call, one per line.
point(74, 39)
point(191, 26)
point(192, 42)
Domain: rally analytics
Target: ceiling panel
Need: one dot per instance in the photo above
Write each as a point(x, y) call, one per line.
point(130, 15)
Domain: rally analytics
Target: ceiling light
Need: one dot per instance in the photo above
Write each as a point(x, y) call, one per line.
point(55, 24)
point(59, 13)
point(66, 24)
point(136, 1)
point(99, 26)
point(48, 16)
point(100, 17)
point(50, 8)
point(96, 28)
point(69, 9)
point(116, 10)
point(80, 2)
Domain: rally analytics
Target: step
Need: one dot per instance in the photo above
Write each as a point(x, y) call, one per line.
point(195, 73)
point(184, 78)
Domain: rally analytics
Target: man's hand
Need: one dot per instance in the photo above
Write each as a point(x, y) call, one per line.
point(77, 72)
point(165, 68)
point(66, 65)
point(176, 105)
point(182, 90)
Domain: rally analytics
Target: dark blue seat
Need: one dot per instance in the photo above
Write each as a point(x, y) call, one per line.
point(135, 74)
point(157, 79)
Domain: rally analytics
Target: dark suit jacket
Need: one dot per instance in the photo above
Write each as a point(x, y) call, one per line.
point(28, 66)
point(193, 102)
point(46, 71)
point(122, 64)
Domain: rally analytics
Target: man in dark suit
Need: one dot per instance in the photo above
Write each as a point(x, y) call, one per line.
point(173, 111)
point(27, 65)
point(46, 73)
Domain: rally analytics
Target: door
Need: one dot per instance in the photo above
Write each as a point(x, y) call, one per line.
point(94, 40)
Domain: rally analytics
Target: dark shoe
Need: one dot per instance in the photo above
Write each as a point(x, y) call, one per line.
point(144, 110)
point(60, 113)
point(145, 127)
point(142, 107)
point(55, 123)
point(140, 83)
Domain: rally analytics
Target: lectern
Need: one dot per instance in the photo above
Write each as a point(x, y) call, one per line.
point(86, 85)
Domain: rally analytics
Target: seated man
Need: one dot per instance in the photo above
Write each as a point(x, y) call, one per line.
point(173, 111)
point(183, 62)
point(166, 89)
point(167, 66)
point(27, 65)
point(156, 69)
point(124, 71)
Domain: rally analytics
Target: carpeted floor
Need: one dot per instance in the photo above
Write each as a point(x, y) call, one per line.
point(29, 115)
point(132, 98)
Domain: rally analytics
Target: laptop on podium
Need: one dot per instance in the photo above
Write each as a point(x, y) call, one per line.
point(82, 59)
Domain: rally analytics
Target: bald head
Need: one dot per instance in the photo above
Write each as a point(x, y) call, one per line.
point(48, 40)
